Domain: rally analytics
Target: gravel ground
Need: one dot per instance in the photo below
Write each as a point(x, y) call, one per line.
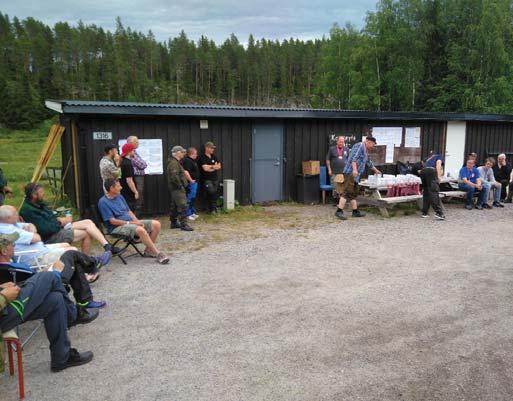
point(369, 309)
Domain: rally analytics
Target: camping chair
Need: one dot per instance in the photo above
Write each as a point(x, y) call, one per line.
point(324, 184)
point(122, 240)
point(17, 272)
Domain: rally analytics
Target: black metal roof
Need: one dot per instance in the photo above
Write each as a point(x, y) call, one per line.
point(184, 110)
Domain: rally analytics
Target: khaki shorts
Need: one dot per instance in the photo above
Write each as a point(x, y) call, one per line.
point(63, 235)
point(128, 230)
point(350, 188)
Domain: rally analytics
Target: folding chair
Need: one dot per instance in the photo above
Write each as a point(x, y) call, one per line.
point(123, 240)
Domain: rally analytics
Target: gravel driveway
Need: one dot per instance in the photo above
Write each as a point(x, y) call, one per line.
point(370, 309)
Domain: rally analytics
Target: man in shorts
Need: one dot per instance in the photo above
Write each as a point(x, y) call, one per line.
point(336, 159)
point(53, 229)
point(119, 219)
point(356, 162)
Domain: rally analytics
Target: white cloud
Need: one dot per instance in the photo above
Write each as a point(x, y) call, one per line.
point(215, 19)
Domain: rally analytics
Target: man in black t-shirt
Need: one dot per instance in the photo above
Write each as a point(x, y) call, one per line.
point(192, 173)
point(209, 166)
point(129, 190)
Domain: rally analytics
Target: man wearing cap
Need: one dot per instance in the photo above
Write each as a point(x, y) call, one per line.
point(139, 166)
point(109, 164)
point(177, 184)
point(209, 167)
point(357, 160)
point(127, 180)
point(42, 297)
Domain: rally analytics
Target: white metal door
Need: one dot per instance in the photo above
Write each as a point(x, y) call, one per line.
point(455, 147)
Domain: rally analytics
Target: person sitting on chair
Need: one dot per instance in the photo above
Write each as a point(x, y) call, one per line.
point(502, 172)
point(42, 297)
point(470, 182)
point(120, 220)
point(59, 229)
point(490, 184)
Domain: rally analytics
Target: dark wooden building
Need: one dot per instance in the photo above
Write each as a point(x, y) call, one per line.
point(261, 148)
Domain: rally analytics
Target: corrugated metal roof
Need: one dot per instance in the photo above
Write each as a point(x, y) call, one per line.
point(192, 110)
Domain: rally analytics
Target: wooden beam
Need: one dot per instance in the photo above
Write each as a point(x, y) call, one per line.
point(76, 176)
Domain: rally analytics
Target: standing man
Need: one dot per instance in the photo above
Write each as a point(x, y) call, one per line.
point(355, 166)
point(129, 191)
point(109, 163)
point(490, 184)
point(430, 188)
point(4, 189)
point(470, 182)
point(192, 173)
point(177, 184)
point(502, 173)
point(209, 166)
point(139, 166)
point(336, 161)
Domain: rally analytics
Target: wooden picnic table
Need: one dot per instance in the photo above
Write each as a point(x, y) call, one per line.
point(374, 197)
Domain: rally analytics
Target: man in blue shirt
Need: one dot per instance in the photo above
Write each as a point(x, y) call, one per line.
point(470, 181)
point(356, 162)
point(119, 219)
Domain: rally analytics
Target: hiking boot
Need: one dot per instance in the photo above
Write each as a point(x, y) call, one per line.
point(104, 259)
point(186, 227)
point(340, 214)
point(96, 304)
point(175, 224)
point(162, 258)
point(84, 316)
point(75, 358)
point(357, 213)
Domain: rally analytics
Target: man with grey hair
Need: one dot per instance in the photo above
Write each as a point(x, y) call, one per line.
point(502, 173)
point(177, 185)
point(139, 166)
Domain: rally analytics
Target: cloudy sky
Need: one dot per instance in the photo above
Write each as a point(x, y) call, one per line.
point(217, 19)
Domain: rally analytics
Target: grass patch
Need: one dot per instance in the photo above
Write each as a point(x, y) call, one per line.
point(19, 154)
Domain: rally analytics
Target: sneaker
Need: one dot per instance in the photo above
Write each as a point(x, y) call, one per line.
point(498, 204)
point(84, 316)
point(195, 215)
point(186, 227)
point(340, 214)
point(162, 258)
point(439, 217)
point(479, 207)
point(191, 217)
point(468, 207)
point(75, 358)
point(104, 259)
point(96, 304)
point(357, 213)
point(424, 215)
point(486, 206)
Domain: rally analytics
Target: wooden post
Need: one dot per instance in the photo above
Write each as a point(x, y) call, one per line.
point(75, 163)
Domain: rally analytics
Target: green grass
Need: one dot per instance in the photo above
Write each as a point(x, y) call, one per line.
point(19, 153)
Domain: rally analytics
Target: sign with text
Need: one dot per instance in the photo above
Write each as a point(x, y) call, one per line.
point(102, 136)
point(150, 150)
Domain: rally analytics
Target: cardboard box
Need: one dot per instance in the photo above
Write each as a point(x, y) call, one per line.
point(311, 167)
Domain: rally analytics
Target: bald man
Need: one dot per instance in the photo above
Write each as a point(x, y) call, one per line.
point(139, 166)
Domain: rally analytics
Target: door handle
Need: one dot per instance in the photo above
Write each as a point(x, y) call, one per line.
point(277, 163)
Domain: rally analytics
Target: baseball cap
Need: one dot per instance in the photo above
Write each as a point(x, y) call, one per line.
point(127, 148)
point(210, 144)
point(371, 138)
point(177, 149)
point(8, 239)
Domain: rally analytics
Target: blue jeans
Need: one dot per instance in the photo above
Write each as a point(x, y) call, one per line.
point(490, 187)
point(470, 194)
point(192, 191)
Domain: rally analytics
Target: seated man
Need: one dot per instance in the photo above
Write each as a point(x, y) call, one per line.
point(502, 172)
point(119, 219)
point(470, 182)
point(58, 229)
point(42, 297)
point(489, 184)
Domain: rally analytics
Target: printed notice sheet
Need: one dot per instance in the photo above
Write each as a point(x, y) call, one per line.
point(412, 138)
point(150, 151)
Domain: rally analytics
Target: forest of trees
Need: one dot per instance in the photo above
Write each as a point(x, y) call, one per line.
point(423, 55)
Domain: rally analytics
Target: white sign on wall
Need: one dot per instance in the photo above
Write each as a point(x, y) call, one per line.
point(150, 151)
point(390, 137)
point(102, 136)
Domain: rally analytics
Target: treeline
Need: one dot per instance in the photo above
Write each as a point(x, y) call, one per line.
point(426, 55)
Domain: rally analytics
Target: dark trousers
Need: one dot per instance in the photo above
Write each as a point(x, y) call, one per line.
point(504, 184)
point(210, 187)
point(45, 298)
point(430, 191)
point(178, 206)
point(470, 190)
point(76, 264)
